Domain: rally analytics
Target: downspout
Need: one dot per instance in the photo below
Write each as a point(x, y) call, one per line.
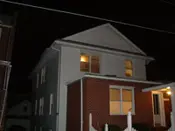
point(81, 104)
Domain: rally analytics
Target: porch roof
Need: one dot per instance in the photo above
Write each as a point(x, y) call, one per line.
point(115, 78)
point(158, 87)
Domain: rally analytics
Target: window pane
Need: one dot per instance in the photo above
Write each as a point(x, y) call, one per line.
point(128, 64)
point(128, 72)
point(126, 106)
point(115, 107)
point(156, 104)
point(95, 64)
point(84, 63)
point(127, 95)
point(114, 95)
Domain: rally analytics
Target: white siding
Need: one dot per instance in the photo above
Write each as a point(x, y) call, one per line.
point(105, 35)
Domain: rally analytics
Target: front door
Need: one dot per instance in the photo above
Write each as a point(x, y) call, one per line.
point(158, 108)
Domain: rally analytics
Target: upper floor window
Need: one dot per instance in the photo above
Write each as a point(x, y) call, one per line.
point(128, 68)
point(36, 104)
point(43, 74)
point(121, 100)
point(89, 63)
point(41, 106)
point(37, 80)
point(51, 104)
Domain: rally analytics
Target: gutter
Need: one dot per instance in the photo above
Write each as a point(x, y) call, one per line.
point(81, 104)
point(121, 79)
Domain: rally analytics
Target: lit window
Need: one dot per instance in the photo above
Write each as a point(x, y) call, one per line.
point(89, 63)
point(121, 100)
point(128, 68)
point(51, 104)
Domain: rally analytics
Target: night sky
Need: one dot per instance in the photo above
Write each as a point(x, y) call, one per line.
point(37, 29)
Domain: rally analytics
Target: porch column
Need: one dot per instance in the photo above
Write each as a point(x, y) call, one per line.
point(173, 107)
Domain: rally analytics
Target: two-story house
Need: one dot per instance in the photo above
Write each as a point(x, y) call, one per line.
point(96, 71)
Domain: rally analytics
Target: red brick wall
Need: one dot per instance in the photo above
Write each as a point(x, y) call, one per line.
point(96, 101)
point(73, 107)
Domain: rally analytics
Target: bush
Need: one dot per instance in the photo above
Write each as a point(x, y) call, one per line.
point(113, 128)
point(141, 127)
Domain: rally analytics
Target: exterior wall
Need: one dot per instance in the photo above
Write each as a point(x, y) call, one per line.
point(104, 35)
point(46, 121)
point(70, 71)
point(18, 110)
point(168, 109)
point(73, 107)
point(96, 101)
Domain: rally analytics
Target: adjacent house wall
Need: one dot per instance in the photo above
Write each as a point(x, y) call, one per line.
point(17, 116)
point(109, 65)
point(46, 121)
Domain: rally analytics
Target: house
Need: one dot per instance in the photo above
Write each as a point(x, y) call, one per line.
point(19, 115)
point(97, 71)
point(7, 31)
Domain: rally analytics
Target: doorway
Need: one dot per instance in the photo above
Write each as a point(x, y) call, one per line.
point(158, 109)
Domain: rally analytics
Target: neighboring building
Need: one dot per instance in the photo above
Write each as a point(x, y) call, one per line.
point(96, 71)
point(19, 115)
point(7, 31)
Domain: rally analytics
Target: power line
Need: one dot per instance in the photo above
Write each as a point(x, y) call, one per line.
point(88, 16)
point(167, 2)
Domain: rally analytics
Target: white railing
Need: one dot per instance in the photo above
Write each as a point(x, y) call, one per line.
point(129, 123)
point(91, 128)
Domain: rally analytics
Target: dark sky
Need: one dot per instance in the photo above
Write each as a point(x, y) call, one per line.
point(37, 29)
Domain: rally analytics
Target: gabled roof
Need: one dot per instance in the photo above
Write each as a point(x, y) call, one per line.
point(106, 35)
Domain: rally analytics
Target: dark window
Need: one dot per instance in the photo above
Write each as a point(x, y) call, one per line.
point(25, 108)
point(156, 104)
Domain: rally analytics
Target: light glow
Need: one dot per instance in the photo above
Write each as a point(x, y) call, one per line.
point(168, 87)
point(84, 58)
point(169, 92)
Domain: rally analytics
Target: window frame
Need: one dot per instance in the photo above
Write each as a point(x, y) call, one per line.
point(37, 80)
point(121, 98)
point(51, 104)
point(36, 105)
point(42, 106)
point(90, 61)
point(129, 68)
point(43, 74)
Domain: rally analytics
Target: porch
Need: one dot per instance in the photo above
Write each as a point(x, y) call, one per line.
point(163, 97)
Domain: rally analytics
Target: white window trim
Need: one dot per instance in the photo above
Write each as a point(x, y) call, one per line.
point(41, 128)
point(40, 104)
point(51, 103)
point(42, 111)
point(90, 55)
point(37, 80)
point(133, 98)
point(43, 75)
point(36, 105)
